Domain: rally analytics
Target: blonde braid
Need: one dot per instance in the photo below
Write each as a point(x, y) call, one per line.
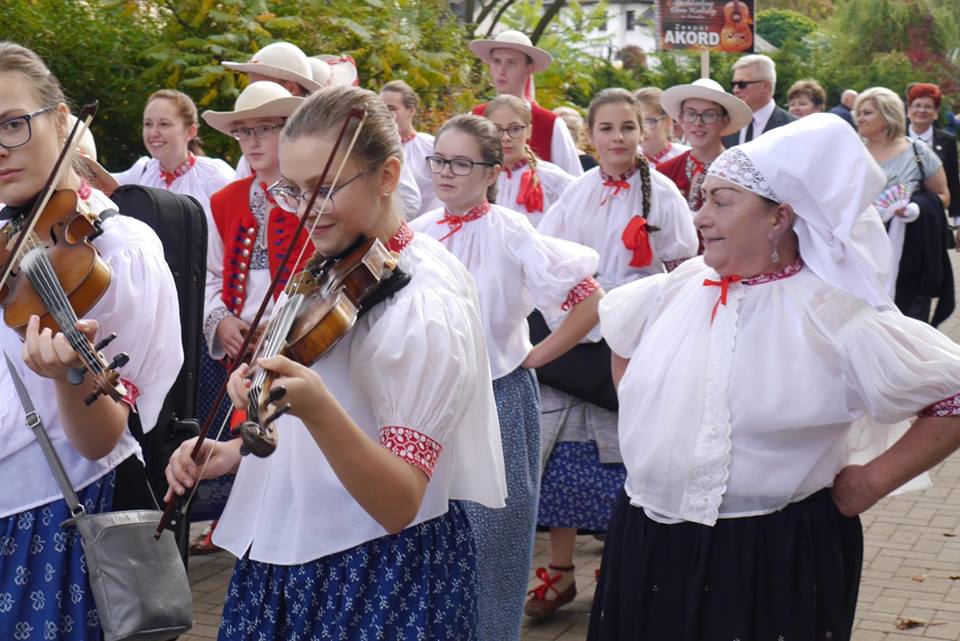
point(532, 161)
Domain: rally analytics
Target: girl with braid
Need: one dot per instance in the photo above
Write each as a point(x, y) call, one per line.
point(526, 184)
point(516, 270)
point(638, 222)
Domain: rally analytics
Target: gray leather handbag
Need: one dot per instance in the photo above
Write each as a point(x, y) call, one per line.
point(139, 585)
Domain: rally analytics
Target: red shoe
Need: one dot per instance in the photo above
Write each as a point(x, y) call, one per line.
point(204, 544)
point(538, 606)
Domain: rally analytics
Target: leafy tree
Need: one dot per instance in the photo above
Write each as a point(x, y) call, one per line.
point(780, 26)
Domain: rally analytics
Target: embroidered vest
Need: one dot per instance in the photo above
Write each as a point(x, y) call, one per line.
point(543, 122)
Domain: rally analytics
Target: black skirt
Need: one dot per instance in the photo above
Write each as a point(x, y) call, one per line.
point(788, 576)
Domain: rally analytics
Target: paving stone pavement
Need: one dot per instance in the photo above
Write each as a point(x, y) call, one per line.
point(911, 565)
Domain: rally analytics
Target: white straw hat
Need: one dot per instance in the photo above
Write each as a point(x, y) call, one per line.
point(261, 99)
point(511, 39)
point(279, 61)
point(708, 89)
point(338, 70)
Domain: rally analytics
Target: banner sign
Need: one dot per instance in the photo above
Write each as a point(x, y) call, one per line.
point(706, 25)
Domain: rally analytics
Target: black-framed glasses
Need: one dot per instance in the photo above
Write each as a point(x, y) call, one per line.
point(743, 84)
point(459, 166)
point(17, 131)
point(650, 123)
point(289, 197)
point(708, 117)
point(242, 134)
point(514, 131)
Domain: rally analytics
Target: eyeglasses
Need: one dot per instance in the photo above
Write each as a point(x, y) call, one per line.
point(708, 117)
point(743, 84)
point(650, 123)
point(242, 134)
point(289, 198)
point(16, 132)
point(917, 107)
point(459, 166)
point(514, 131)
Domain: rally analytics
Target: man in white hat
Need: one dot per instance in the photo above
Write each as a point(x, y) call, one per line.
point(513, 60)
point(283, 63)
point(706, 113)
point(754, 81)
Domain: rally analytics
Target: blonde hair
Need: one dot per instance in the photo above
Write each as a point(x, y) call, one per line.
point(485, 134)
point(650, 97)
point(186, 111)
point(522, 109)
point(811, 89)
point(408, 96)
point(890, 107)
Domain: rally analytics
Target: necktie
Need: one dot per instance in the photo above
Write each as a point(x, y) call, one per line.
point(749, 136)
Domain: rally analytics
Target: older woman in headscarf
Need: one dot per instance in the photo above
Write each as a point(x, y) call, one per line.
point(746, 379)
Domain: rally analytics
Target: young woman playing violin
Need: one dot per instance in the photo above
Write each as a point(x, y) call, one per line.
point(43, 582)
point(352, 527)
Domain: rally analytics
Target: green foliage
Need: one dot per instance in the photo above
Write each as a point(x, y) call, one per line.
point(817, 10)
point(782, 26)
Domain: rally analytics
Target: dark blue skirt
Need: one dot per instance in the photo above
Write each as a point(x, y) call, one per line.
point(44, 591)
point(577, 490)
point(791, 575)
point(418, 584)
point(211, 496)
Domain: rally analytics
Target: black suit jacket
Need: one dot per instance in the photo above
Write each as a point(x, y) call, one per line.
point(778, 118)
point(945, 146)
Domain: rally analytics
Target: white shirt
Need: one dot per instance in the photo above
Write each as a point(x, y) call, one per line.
point(563, 150)
point(752, 411)
point(516, 270)
point(205, 178)
point(141, 306)
point(552, 179)
point(416, 361)
point(760, 118)
point(415, 152)
point(926, 136)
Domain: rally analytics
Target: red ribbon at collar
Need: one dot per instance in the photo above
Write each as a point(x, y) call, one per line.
point(531, 192)
point(636, 237)
point(456, 223)
point(185, 166)
point(724, 285)
point(618, 185)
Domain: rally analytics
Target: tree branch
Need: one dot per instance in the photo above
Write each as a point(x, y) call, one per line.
point(496, 19)
point(548, 15)
point(486, 9)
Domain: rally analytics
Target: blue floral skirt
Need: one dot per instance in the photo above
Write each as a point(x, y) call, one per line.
point(578, 490)
point(416, 585)
point(211, 496)
point(44, 592)
point(505, 536)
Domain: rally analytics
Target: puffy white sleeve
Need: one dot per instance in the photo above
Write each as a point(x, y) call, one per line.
point(557, 273)
point(141, 306)
point(420, 365)
point(409, 193)
point(563, 151)
point(214, 310)
point(555, 221)
point(677, 238)
point(625, 310)
point(132, 176)
point(898, 367)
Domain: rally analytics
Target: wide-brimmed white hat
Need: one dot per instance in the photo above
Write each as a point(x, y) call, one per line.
point(332, 71)
point(708, 89)
point(261, 99)
point(280, 61)
point(511, 39)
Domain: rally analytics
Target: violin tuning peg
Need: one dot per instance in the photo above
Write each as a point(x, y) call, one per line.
point(244, 451)
point(119, 361)
point(91, 399)
point(276, 393)
point(75, 375)
point(280, 412)
point(106, 341)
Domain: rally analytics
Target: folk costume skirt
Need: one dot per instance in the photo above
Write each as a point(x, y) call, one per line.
point(788, 576)
point(505, 536)
point(44, 590)
point(577, 490)
point(418, 584)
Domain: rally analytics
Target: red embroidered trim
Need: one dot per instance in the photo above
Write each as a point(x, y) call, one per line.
point(790, 270)
point(627, 175)
point(583, 289)
point(406, 139)
point(133, 393)
point(671, 265)
point(946, 407)
point(416, 448)
point(84, 191)
point(509, 170)
point(401, 239)
point(456, 223)
point(617, 183)
point(185, 166)
point(660, 154)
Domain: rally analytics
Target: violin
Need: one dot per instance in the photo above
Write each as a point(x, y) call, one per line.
point(325, 300)
point(52, 270)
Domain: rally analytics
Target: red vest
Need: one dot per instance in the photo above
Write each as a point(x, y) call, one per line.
point(238, 229)
point(543, 121)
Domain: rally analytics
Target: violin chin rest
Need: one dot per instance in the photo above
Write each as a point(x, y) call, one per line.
point(256, 440)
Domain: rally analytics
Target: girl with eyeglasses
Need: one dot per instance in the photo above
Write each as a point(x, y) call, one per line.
point(638, 223)
point(354, 528)
point(526, 183)
point(517, 269)
point(176, 159)
point(44, 590)
point(656, 143)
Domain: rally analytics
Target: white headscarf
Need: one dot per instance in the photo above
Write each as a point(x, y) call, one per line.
point(819, 166)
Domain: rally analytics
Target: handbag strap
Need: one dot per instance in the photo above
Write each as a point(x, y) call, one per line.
point(39, 431)
point(916, 156)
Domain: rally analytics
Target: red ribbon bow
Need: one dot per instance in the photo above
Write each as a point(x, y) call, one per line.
point(724, 285)
point(618, 185)
point(636, 237)
point(456, 223)
point(531, 192)
point(540, 592)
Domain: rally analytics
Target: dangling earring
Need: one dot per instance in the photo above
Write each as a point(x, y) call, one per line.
point(775, 254)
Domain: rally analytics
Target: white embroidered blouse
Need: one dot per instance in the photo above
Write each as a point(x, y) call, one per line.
point(201, 179)
point(553, 181)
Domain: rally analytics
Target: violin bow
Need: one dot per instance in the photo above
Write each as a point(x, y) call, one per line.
point(59, 169)
point(360, 115)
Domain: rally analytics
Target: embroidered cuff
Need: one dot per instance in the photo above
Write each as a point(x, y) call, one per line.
point(210, 323)
point(133, 393)
point(417, 449)
point(946, 407)
point(671, 265)
point(583, 289)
